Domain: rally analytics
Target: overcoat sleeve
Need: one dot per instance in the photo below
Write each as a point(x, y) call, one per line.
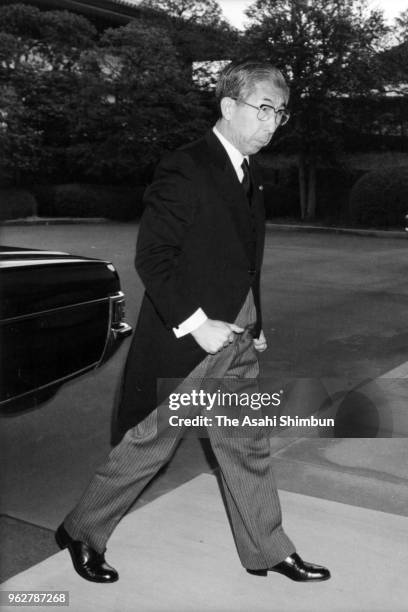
point(171, 203)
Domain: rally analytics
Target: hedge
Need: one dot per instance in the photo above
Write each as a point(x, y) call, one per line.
point(380, 198)
point(16, 203)
point(281, 192)
point(88, 200)
point(333, 185)
point(333, 188)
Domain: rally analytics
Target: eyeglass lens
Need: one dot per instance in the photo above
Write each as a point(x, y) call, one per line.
point(281, 116)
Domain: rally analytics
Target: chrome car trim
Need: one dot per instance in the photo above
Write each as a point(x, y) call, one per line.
point(58, 308)
point(5, 254)
point(118, 295)
point(41, 262)
point(108, 332)
point(111, 330)
point(123, 331)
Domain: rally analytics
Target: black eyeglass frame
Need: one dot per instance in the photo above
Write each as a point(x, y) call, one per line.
point(285, 116)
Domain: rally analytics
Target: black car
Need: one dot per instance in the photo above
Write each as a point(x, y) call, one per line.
point(60, 316)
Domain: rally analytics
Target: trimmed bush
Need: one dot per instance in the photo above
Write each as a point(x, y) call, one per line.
point(16, 203)
point(280, 201)
point(45, 196)
point(87, 200)
point(380, 198)
point(281, 192)
point(333, 184)
point(126, 203)
point(79, 200)
point(333, 188)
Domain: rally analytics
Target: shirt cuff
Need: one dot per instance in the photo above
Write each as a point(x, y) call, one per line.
point(191, 324)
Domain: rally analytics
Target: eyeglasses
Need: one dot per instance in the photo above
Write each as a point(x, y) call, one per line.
point(265, 112)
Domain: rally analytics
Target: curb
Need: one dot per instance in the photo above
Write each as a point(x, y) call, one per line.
point(54, 220)
point(270, 225)
point(338, 230)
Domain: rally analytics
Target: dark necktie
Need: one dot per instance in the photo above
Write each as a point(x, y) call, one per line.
point(248, 188)
point(246, 181)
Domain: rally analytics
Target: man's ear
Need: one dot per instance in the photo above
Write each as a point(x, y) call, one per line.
point(227, 107)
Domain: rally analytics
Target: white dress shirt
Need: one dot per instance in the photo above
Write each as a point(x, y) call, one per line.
point(199, 317)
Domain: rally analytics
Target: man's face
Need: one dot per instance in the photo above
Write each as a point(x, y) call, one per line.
point(246, 131)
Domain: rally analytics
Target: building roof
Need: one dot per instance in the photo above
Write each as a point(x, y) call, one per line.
point(195, 41)
point(111, 12)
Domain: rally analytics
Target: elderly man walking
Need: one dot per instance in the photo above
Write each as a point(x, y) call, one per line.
point(199, 255)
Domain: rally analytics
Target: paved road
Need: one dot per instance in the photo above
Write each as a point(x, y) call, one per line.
point(334, 306)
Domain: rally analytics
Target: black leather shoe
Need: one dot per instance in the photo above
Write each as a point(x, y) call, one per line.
point(88, 563)
point(295, 568)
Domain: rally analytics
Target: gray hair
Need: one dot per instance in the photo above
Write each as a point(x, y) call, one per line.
point(238, 79)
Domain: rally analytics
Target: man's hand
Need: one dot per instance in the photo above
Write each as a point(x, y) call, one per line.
point(214, 335)
point(260, 343)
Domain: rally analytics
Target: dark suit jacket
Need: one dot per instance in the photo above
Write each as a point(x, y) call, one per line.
point(200, 244)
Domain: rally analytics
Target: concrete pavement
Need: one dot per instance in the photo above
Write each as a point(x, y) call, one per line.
point(178, 554)
point(335, 306)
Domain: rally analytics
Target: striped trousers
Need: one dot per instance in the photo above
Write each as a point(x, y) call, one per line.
point(246, 474)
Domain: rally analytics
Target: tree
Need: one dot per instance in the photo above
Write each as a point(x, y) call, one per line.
point(196, 27)
point(205, 12)
point(327, 50)
point(39, 59)
point(20, 142)
point(401, 26)
point(50, 40)
point(393, 63)
point(77, 105)
point(136, 102)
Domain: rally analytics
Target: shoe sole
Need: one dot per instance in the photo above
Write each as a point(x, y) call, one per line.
point(264, 574)
point(322, 579)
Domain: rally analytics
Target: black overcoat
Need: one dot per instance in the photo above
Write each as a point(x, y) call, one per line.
point(200, 245)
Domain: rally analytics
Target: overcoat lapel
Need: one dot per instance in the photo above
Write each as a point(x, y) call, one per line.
point(230, 191)
point(225, 177)
point(258, 207)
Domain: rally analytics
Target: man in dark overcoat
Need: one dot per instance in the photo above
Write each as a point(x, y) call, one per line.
point(199, 255)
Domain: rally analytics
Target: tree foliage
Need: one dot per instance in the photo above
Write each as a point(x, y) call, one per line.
point(401, 27)
point(39, 53)
point(196, 27)
point(77, 104)
point(20, 142)
point(145, 102)
point(47, 39)
point(394, 61)
point(205, 12)
point(327, 49)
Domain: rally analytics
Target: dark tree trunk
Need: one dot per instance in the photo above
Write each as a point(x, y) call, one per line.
point(302, 186)
point(311, 192)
